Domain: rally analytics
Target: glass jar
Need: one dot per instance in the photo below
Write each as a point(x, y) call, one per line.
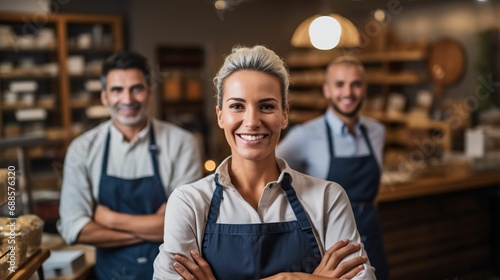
point(35, 226)
point(16, 236)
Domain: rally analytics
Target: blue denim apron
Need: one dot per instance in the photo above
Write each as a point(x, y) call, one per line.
point(141, 196)
point(254, 251)
point(360, 177)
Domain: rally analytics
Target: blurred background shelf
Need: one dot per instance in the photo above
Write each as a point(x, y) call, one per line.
point(41, 70)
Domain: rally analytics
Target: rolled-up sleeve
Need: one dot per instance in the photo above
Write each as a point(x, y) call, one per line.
point(341, 224)
point(180, 236)
point(76, 203)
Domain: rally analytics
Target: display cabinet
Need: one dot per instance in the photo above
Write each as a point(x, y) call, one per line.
point(89, 40)
point(49, 81)
point(182, 86)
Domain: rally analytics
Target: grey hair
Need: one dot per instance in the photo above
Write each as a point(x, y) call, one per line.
point(258, 58)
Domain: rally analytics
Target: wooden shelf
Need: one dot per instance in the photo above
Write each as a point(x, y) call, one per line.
point(403, 78)
point(315, 78)
point(85, 76)
point(310, 99)
point(83, 104)
point(54, 91)
point(319, 59)
point(20, 105)
point(393, 56)
point(309, 78)
point(30, 266)
point(303, 116)
point(18, 50)
point(29, 75)
point(91, 50)
point(386, 118)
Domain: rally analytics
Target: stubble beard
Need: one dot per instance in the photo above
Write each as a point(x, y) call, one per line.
point(351, 114)
point(126, 120)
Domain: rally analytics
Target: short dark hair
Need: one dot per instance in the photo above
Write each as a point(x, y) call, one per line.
point(125, 60)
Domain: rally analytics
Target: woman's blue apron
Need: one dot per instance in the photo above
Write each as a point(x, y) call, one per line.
point(141, 196)
point(254, 251)
point(360, 177)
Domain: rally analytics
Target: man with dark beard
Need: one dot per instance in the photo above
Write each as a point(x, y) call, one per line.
point(344, 147)
point(118, 175)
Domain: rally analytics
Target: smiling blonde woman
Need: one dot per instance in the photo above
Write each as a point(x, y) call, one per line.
point(256, 217)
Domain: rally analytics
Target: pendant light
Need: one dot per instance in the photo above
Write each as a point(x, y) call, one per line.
point(326, 32)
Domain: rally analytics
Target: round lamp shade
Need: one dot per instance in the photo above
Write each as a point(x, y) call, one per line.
point(325, 33)
point(322, 32)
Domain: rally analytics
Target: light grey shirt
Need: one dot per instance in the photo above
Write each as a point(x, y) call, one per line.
point(178, 160)
point(325, 203)
point(305, 147)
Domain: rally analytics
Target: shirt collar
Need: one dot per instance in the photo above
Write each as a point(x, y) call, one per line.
point(338, 127)
point(140, 136)
point(225, 179)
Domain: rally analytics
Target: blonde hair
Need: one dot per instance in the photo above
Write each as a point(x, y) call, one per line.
point(345, 59)
point(258, 58)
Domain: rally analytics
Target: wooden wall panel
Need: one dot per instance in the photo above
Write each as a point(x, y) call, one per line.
point(440, 237)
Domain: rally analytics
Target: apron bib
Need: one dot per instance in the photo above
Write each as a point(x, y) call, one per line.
point(254, 251)
point(360, 177)
point(141, 196)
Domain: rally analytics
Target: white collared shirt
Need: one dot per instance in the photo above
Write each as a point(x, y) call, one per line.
point(325, 203)
point(178, 157)
point(305, 146)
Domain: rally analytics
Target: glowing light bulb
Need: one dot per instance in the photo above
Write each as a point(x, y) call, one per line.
point(210, 165)
point(325, 33)
point(380, 15)
point(220, 5)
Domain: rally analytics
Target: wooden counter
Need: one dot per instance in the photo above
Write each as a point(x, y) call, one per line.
point(442, 227)
point(30, 266)
point(85, 271)
point(452, 180)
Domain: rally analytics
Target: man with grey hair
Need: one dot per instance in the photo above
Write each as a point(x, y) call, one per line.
point(343, 147)
point(117, 176)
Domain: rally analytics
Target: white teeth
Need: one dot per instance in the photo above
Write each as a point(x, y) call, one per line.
point(252, 137)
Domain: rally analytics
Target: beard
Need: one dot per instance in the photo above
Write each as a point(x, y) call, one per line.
point(128, 120)
point(350, 114)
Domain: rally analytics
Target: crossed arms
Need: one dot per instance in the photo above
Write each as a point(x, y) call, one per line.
point(113, 229)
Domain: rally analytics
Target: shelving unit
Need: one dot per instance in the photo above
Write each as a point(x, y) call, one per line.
point(182, 89)
point(402, 71)
point(41, 78)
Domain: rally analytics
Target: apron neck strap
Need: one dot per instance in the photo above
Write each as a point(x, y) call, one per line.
point(213, 211)
point(286, 185)
point(330, 138)
point(297, 208)
point(153, 149)
point(104, 166)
